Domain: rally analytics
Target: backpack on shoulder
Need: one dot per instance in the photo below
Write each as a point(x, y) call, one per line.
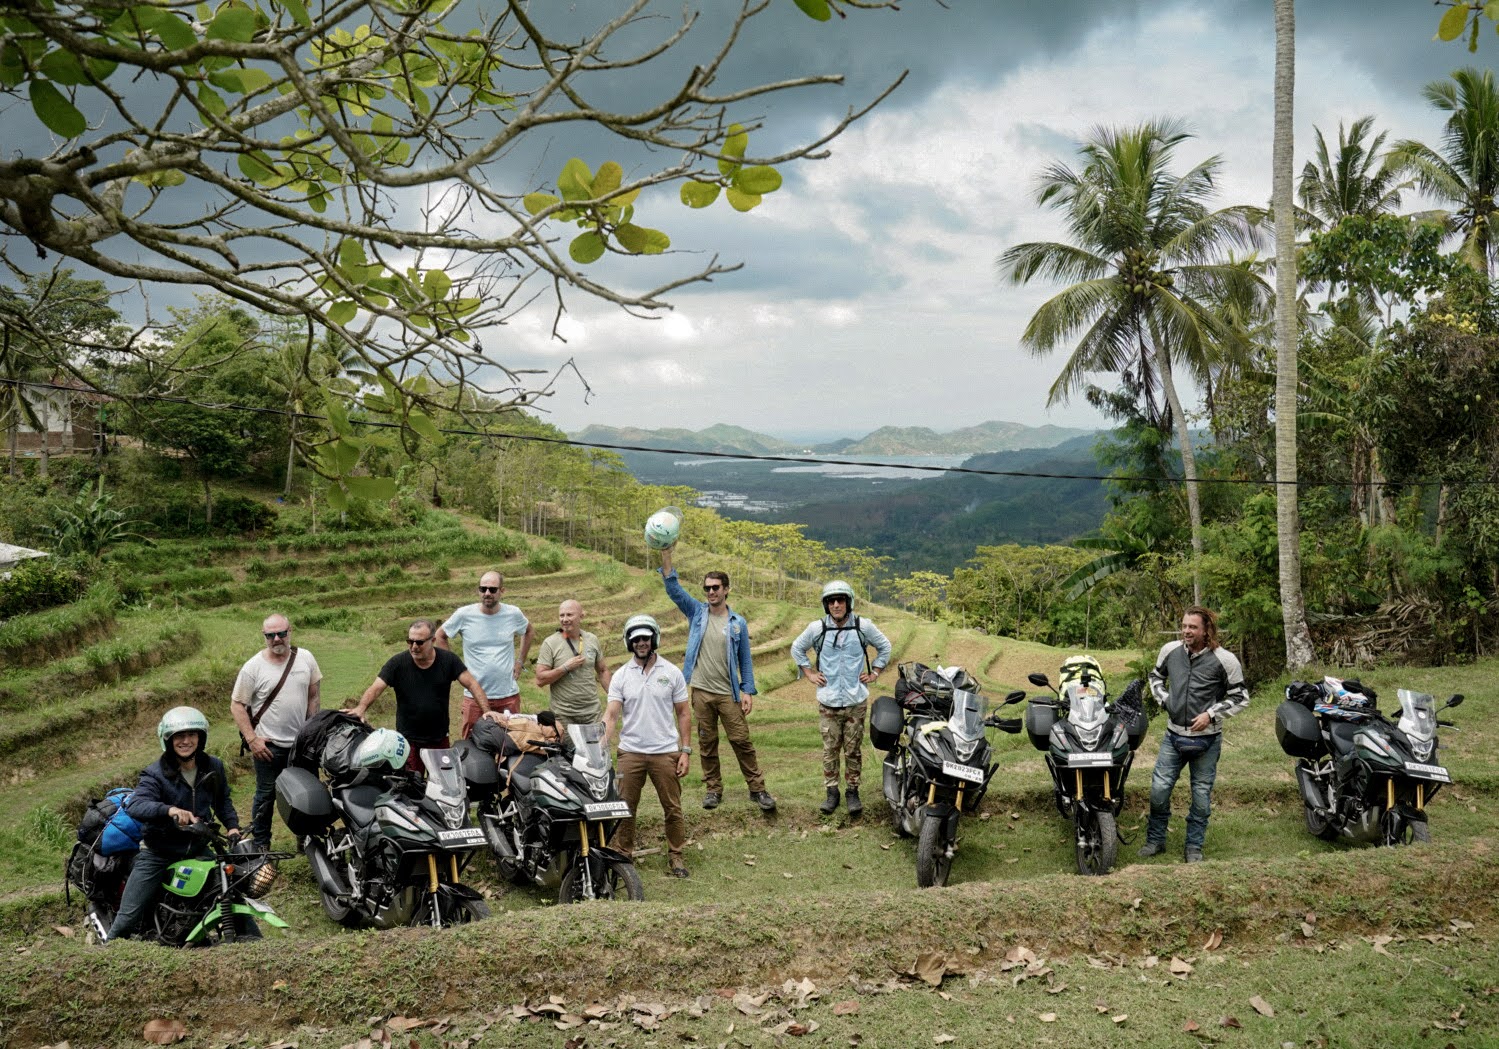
point(863, 645)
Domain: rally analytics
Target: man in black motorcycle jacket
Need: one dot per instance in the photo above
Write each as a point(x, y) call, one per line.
point(1199, 684)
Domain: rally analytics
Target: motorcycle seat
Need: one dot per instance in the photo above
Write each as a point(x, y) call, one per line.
point(359, 804)
point(1342, 736)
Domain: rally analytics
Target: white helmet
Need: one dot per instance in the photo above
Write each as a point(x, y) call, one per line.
point(182, 719)
point(635, 625)
point(382, 746)
point(663, 527)
point(837, 588)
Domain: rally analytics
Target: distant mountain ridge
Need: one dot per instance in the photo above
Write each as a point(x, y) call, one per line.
point(887, 440)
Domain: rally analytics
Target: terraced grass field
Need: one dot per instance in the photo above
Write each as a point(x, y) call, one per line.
point(770, 900)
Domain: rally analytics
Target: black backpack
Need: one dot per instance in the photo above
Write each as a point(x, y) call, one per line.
point(868, 666)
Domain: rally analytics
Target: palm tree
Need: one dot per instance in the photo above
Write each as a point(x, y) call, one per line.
point(1353, 181)
point(1147, 262)
point(1465, 170)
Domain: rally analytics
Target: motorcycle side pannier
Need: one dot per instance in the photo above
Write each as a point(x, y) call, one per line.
point(1297, 730)
point(303, 803)
point(1040, 716)
point(885, 723)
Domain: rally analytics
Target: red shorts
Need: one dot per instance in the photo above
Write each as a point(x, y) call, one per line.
point(472, 713)
point(414, 759)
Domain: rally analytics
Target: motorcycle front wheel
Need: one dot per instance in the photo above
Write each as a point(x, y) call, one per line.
point(457, 910)
point(932, 861)
point(1396, 829)
point(620, 881)
point(1096, 839)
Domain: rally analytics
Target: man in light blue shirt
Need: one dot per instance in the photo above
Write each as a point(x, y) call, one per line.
point(489, 629)
point(841, 641)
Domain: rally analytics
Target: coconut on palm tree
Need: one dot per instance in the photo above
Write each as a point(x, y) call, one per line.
point(1146, 265)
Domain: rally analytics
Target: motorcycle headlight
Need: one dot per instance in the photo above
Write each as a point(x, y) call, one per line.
point(453, 813)
point(598, 786)
point(1423, 748)
point(1089, 737)
point(965, 747)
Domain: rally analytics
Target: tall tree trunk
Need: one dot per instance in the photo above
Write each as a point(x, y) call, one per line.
point(1299, 650)
point(1189, 463)
point(291, 454)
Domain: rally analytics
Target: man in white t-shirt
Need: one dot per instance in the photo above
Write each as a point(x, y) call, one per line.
point(648, 702)
point(489, 629)
point(276, 691)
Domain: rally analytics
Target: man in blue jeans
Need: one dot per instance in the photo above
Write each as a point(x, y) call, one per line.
point(1199, 684)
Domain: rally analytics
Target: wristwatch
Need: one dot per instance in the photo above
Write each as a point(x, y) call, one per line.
point(684, 750)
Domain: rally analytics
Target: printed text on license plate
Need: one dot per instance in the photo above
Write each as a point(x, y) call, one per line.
point(968, 772)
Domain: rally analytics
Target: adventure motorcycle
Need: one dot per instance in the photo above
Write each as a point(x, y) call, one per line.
point(202, 901)
point(1362, 775)
point(937, 762)
point(553, 819)
point(386, 846)
point(1090, 745)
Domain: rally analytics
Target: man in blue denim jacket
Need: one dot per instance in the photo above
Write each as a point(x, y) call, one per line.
point(720, 679)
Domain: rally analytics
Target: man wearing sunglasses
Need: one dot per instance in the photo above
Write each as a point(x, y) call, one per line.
point(423, 677)
point(721, 678)
point(489, 629)
point(276, 691)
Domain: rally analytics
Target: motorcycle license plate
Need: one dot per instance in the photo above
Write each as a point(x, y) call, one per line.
point(463, 837)
point(1415, 770)
point(964, 772)
point(1093, 760)
point(607, 810)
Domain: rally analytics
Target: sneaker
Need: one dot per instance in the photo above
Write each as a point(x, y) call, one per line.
point(763, 799)
point(711, 799)
point(828, 806)
point(1152, 848)
point(1194, 855)
point(855, 806)
point(679, 871)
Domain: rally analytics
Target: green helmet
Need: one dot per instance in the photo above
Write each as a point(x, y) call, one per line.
point(635, 624)
point(837, 588)
point(182, 719)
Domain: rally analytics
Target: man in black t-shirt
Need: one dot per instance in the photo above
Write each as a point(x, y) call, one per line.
point(423, 678)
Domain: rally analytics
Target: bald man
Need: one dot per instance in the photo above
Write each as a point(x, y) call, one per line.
point(571, 665)
point(489, 628)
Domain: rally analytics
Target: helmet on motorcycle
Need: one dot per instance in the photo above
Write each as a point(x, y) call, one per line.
point(182, 719)
point(249, 860)
point(1080, 670)
point(382, 747)
point(837, 588)
point(642, 624)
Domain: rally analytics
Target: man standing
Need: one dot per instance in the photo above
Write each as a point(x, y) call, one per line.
point(276, 691)
point(489, 630)
point(844, 671)
point(648, 699)
point(722, 679)
point(571, 665)
point(423, 677)
point(1198, 684)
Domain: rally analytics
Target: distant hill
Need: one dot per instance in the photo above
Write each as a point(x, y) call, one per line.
point(888, 440)
point(719, 438)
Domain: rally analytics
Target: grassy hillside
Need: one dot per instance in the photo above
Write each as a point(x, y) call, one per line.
point(792, 897)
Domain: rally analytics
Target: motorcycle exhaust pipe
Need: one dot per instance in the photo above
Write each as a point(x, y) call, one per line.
point(1311, 792)
point(323, 870)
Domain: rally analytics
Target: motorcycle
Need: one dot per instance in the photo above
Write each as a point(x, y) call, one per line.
point(1363, 775)
point(1090, 746)
point(554, 819)
point(387, 846)
point(937, 763)
point(202, 900)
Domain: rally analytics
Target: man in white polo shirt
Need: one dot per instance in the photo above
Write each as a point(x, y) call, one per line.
point(648, 698)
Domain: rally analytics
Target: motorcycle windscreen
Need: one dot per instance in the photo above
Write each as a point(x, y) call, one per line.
point(588, 748)
point(967, 718)
point(445, 784)
point(1086, 707)
point(1418, 714)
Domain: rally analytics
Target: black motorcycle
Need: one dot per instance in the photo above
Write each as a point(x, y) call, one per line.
point(387, 846)
point(551, 818)
point(937, 764)
point(1363, 775)
point(202, 900)
point(1090, 745)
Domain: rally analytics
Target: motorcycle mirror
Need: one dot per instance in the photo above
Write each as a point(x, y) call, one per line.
point(1018, 696)
point(1455, 701)
point(1038, 679)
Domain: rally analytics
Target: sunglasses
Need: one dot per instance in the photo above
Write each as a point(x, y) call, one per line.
point(489, 590)
point(709, 588)
point(417, 641)
point(273, 635)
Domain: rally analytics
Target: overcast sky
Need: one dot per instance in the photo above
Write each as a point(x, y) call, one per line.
point(868, 294)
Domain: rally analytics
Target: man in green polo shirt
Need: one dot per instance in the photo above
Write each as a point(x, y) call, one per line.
point(571, 665)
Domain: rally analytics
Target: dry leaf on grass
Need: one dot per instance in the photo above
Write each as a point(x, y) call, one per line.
point(164, 1032)
point(1261, 1006)
point(1048, 1018)
point(943, 1039)
point(1119, 1018)
point(405, 1023)
point(930, 967)
point(63, 930)
point(1191, 1027)
point(1308, 930)
point(1214, 941)
point(1378, 943)
point(847, 1008)
point(1180, 967)
point(1230, 1021)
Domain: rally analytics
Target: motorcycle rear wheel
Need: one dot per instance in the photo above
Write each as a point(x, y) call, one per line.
point(932, 862)
point(1096, 841)
point(621, 882)
point(1319, 826)
point(343, 913)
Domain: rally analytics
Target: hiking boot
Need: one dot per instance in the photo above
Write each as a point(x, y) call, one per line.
point(763, 799)
point(1152, 848)
point(679, 871)
point(711, 799)
point(855, 806)
point(827, 807)
point(1194, 855)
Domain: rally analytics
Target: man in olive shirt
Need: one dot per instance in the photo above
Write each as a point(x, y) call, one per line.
point(571, 666)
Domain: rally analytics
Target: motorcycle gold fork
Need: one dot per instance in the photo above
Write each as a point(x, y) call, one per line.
point(583, 837)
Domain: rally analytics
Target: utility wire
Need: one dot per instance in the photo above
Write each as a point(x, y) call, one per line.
point(740, 456)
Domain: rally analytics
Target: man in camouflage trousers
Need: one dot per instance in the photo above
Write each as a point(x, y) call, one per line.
point(841, 641)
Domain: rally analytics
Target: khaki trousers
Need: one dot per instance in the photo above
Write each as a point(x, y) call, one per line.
point(709, 708)
point(632, 770)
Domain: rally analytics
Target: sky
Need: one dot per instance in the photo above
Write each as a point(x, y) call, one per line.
point(868, 294)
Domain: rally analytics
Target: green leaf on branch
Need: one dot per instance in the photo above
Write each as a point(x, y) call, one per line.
point(338, 418)
point(576, 180)
point(437, 284)
point(173, 32)
point(54, 110)
point(298, 12)
point(233, 23)
point(241, 81)
point(642, 240)
point(211, 100)
point(423, 424)
point(62, 67)
point(536, 203)
point(338, 499)
point(161, 179)
point(342, 312)
point(1453, 22)
point(608, 179)
point(375, 489)
point(699, 194)
point(257, 168)
point(586, 247)
point(733, 148)
point(817, 9)
point(757, 180)
point(741, 201)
